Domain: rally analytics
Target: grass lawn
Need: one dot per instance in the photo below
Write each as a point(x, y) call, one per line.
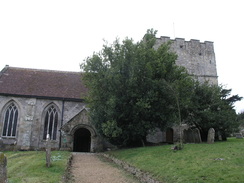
point(204, 163)
point(30, 166)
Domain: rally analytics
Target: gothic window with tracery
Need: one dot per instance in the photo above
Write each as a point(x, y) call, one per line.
point(51, 123)
point(10, 121)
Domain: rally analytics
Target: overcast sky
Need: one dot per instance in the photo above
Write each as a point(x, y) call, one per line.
point(59, 35)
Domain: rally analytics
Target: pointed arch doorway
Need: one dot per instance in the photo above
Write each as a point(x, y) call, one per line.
point(82, 140)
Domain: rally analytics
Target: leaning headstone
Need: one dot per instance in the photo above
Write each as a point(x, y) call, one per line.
point(211, 135)
point(198, 138)
point(3, 168)
point(192, 136)
point(48, 151)
point(239, 136)
point(188, 136)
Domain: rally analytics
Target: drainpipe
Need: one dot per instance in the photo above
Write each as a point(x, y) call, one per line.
point(62, 120)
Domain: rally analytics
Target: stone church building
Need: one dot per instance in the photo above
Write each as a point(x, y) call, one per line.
point(34, 103)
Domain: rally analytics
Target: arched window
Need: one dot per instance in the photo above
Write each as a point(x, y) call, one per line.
point(51, 123)
point(10, 121)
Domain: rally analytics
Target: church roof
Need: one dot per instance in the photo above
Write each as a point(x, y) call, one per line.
point(41, 83)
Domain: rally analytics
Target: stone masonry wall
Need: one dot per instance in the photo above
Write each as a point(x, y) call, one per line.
point(80, 121)
point(30, 124)
point(197, 57)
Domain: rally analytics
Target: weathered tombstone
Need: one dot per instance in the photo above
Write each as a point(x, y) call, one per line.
point(239, 136)
point(48, 151)
point(3, 168)
point(242, 132)
point(220, 136)
point(188, 136)
point(192, 136)
point(211, 135)
point(198, 138)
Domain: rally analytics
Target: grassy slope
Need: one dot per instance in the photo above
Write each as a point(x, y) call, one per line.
point(30, 167)
point(218, 162)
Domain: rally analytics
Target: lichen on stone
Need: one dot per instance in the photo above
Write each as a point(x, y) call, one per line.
point(2, 159)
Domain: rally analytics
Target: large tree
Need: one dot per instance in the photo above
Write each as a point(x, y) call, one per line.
point(134, 88)
point(213, 107)
point(240, 118)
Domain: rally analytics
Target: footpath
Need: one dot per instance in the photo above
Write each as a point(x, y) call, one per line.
point(90, 168)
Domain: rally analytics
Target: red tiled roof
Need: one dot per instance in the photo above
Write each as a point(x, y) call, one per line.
point(41, 83)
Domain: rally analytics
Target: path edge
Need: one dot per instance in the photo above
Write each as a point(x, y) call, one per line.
point(67, 177)
point(144, 177)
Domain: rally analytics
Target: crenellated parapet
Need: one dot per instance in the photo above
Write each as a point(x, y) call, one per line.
point(197, 57)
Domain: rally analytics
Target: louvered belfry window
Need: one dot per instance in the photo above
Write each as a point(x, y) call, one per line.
point(51, 123)
point(10, 121)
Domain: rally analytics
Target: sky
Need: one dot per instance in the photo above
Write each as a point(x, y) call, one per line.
point(60, 34)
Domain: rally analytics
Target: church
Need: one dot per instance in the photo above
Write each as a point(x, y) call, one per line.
point(35, 102)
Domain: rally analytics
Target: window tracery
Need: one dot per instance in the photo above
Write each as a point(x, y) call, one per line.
point(10, 121)
point(51, 123)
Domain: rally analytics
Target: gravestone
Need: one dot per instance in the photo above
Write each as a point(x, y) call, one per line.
point(198, 138)
point(242, 132)
point(192, 136)
point(220, 136)
point(48, 151)
point(239, 136)
point(211, 135)
point(3, 168)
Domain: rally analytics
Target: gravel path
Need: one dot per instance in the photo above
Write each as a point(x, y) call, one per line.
point(89, 168)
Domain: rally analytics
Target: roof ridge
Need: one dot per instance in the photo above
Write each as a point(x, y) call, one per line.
point(4, 70)
point(44, 70)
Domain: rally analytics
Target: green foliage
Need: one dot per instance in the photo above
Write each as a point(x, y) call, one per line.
point(30, 166)
point(212, 107)
point(111, 129)
point(133, 88)
point(240, 118)
point(211, 163)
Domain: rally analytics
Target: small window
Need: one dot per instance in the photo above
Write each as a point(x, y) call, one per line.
point(10, 121)
point(51, 123)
